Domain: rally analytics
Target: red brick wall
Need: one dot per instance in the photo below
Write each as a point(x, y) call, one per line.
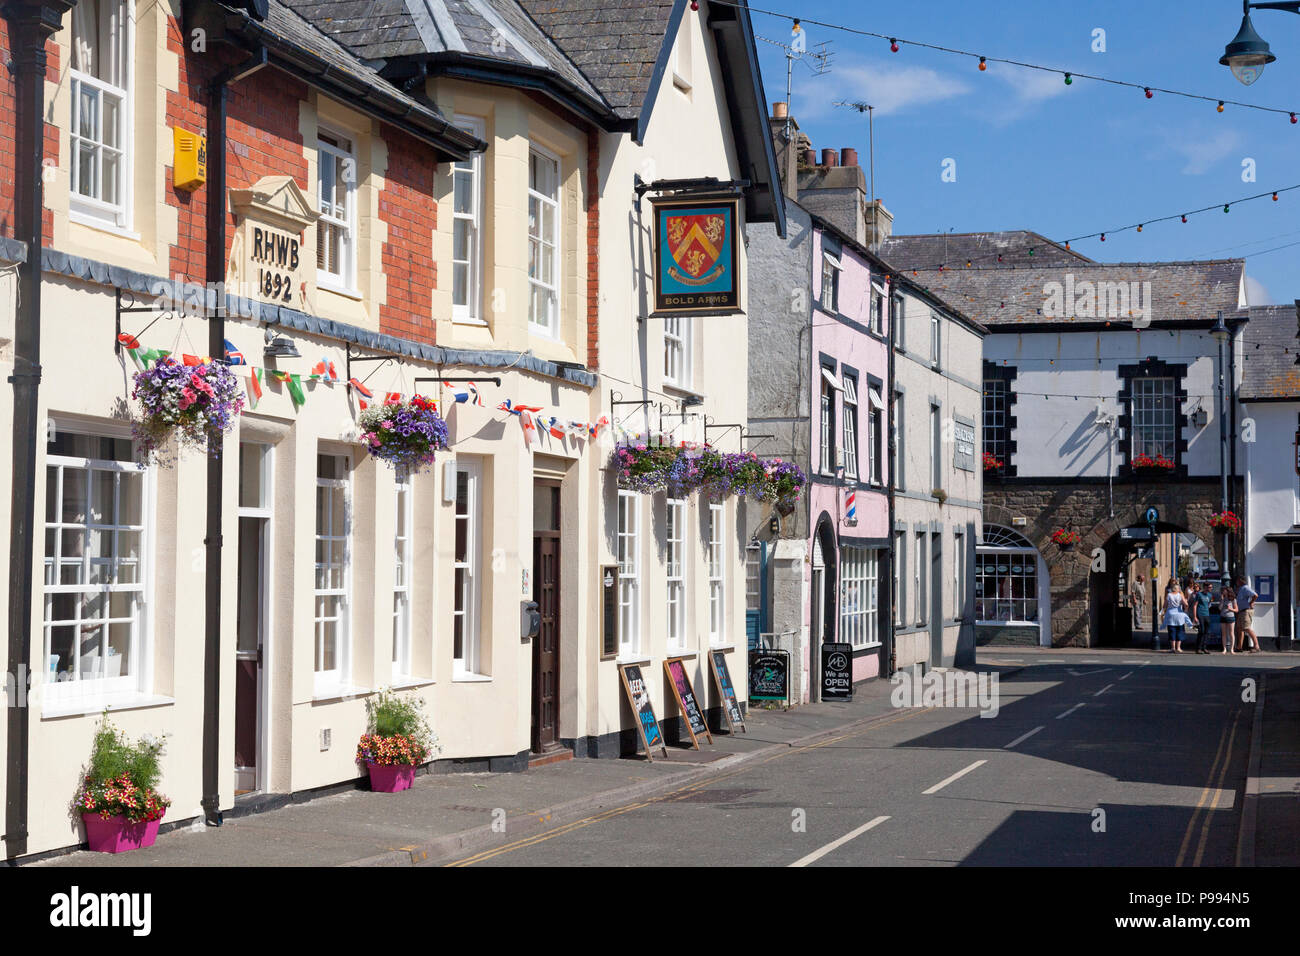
point(407, 207)
point(9, 128)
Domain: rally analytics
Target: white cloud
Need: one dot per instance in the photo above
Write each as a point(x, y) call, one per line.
point(889, 88)
point(1029, 86)
point(1199, 152)
point(1257, 294)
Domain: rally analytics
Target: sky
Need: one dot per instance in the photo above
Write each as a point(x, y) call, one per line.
point(1030, 152)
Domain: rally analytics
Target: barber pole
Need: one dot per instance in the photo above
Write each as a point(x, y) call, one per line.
point(851, 507)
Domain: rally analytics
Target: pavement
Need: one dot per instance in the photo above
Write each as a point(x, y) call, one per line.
point(1129, 731)
point(444, 815)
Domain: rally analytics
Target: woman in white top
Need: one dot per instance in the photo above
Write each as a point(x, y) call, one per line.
point(1176, 618)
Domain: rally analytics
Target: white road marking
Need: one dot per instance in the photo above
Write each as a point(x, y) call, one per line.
point(1069, 712)
point(957, 776)
point(1103, 690)
point(1126, 676)
point(1052, 661)
point(818, 854)
point(1022, 738)
point(1135, 662)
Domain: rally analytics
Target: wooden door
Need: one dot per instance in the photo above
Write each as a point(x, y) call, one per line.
point(546, 592)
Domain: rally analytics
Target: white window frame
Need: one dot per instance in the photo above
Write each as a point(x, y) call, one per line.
point(832, 268)
point(849, 418)
point(345, 279)
point(1022, 565)
point(859, 596)
point(629, 574)
point(467, 598)
point(918, 580)
point(717, 568)
point(404, 512)
point(80, 690)
point(877, 318)
point(936, 339)
point(875, 434)
point(469, 312)
point(677, 350)
point(1151, 423)
point(675, 565)
point(329, 681)
point(900, 577)
point(91, 209)
point(550, 328)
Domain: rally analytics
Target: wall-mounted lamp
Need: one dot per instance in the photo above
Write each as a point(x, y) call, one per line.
point(281, 347)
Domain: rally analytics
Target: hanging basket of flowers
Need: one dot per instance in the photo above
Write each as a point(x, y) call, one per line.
point(732, 473)
point(1064, 539)
point(1225, 521)
point(1152, 466)
point(786, 482)
point(195, 404)
point(404, 434)
point(992, 463)
point(644, 467)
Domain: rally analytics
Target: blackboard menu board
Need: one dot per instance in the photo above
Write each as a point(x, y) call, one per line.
point(837, 672)
point(769, 675)
point(675, 668)
point(722, 676)
point(638, 695)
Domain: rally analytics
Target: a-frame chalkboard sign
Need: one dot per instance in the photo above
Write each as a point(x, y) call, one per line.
point(722, 678)
point(638, 696)
point(680, 682)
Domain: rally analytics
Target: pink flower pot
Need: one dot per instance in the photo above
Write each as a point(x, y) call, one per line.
point(391, 778)
point(117, 835)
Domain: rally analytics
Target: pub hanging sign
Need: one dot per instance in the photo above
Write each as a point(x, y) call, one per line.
point(695, 253)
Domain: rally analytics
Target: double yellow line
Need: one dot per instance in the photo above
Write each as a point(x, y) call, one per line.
point(680, 793)
point(1222, 760)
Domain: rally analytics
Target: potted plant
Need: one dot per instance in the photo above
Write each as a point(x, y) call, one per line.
point(404, 434)
point(1225, 521)
point(118, 800)
point(1152, 465)
point(786, 482)
point(1065, 540)
point(992, 463)
point(397, 740)
point(193, 403)
point(939, 494)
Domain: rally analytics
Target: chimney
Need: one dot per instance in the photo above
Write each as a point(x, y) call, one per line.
point(829, 157)
point(780, 111)
point(849, 156)
point(785, 143)
point(810, 157)
point(880, 223)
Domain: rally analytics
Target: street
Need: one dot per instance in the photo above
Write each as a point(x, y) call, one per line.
point(1110, 758)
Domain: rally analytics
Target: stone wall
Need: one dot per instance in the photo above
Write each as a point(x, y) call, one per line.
point(1086, 508)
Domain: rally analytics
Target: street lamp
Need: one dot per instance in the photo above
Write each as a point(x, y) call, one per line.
point(1248, 54)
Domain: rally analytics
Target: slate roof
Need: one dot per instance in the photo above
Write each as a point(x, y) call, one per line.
point(1006, 296)
point(619, 52)
point(494, 31)
point(1268, 372)
point(980, 248)
point(295, 37)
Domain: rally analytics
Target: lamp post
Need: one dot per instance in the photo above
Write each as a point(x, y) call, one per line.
point(1248, 54)
point(1221, 336)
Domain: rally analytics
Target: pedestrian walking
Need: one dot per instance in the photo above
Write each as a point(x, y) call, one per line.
point(1176, 619)
point(1137, 598)
point(1227, 617)
point(1246, 597)
point(1200, 602)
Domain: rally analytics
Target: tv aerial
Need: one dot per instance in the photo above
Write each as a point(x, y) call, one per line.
point(818, 61)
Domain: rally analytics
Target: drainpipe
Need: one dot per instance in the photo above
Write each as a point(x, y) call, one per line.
point(30, 25)
point(891, 425)
point(216, 305)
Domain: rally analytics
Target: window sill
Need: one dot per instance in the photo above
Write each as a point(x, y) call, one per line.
point(682, 653)
point(95, 704)
point(465, 677)
point(721, 647)
point(328, 692)
point(620, 661)
point(681, 83)
point(100, 225)
point(338, 289)
point(681, 390)
point(869, 646)
point(406, 683)
point(469, 320)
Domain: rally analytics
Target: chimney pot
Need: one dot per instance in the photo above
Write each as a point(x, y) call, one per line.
point(829, 157)
point(779, 110)
point(810, 157)
point(849, 156)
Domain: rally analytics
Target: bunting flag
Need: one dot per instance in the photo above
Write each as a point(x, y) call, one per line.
point(469, 395)
point(295, 391)
point(602, 422)
point(557, 430)
point(325, 369)
point(191, 359)
point(130, 341)
point(360, 388)
point(392, 398)
point(254, 387)
point(275, 375)
point(233, 355)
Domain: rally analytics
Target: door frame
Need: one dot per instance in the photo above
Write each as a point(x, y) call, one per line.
point(534, 740)
point(266, 514)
